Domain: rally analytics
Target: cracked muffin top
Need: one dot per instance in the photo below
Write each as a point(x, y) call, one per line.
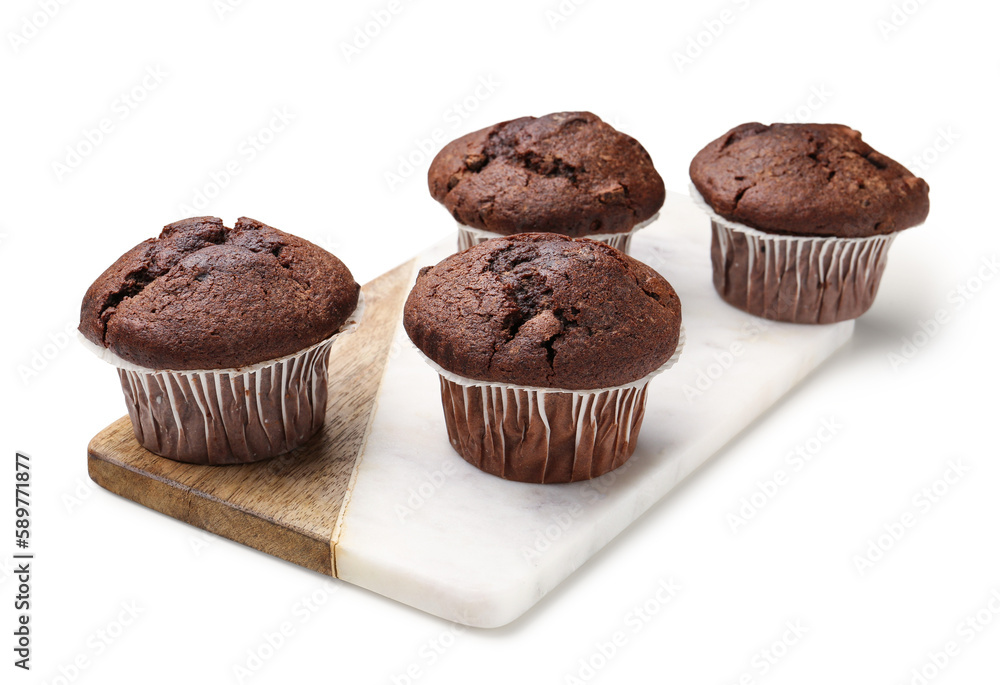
point(204, 296)
point(567, 173)
point(807, 179)
point(544, 310)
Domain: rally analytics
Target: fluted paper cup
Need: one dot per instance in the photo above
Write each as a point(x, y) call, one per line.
point(228, 416)
point(469, 236)
point(544, 435)
point(791, 278)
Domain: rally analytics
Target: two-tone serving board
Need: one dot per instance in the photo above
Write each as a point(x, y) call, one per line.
point(380, 499)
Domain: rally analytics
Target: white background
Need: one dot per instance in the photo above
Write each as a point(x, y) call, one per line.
point(922, 90)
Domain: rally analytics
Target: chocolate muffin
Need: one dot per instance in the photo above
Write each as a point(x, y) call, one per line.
point(568, 173)
point(202, 296)
point(802, 217)
point(808, 179)
point(557, 339)
point(221, 337)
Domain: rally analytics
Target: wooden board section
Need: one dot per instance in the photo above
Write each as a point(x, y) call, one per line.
point(287, 506)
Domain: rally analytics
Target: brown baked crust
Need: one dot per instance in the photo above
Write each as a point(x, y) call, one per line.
point(807, 179)
point(203, 296)
point(567, 173)
point(544, 310)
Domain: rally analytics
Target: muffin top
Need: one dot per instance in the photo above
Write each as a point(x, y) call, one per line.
point(567, 173)
point(807, 179)
point(204, 296)
point(544, 310)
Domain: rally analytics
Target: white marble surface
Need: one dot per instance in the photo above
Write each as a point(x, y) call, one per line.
point(425, 528)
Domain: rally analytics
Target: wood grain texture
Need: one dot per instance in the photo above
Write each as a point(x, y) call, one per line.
point(287, 506)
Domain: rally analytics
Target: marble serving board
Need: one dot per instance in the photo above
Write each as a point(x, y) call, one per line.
point(379, 499)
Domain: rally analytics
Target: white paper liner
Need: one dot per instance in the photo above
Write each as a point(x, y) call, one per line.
point(793, 278)
point(227, 416)
point(469, 236)
point(544, 435)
